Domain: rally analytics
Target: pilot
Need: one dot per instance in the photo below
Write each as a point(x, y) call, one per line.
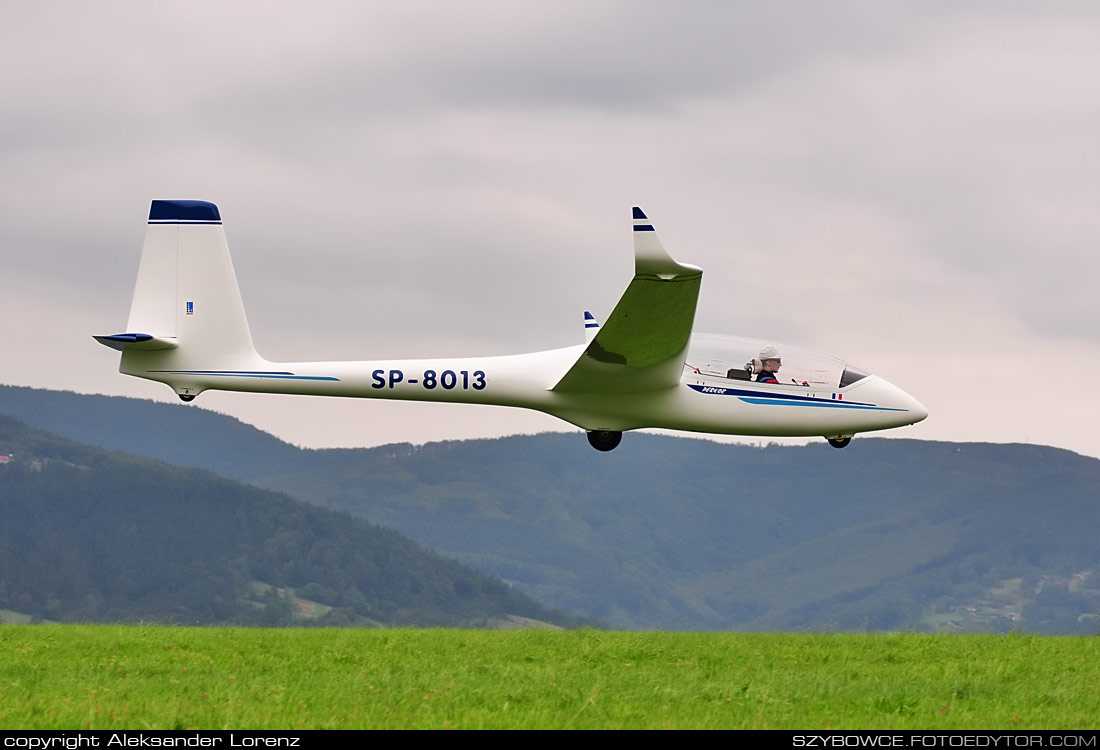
point(769, 365)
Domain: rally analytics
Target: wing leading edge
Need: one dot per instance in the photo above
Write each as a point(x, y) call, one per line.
point(643, 344)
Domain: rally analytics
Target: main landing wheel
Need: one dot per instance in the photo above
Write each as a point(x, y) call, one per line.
point(604, 440)
point(186, 397)
point(839, 442)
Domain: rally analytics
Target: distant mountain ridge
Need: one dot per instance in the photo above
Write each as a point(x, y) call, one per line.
point(97, 536)
point(682, 533)
point(175, 433)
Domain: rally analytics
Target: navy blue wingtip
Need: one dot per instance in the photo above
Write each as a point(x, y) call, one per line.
point(639, 214)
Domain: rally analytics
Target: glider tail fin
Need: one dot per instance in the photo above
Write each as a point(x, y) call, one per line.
point(187, 311)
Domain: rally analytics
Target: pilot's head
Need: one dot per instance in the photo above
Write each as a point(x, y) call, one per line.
point(769, 359)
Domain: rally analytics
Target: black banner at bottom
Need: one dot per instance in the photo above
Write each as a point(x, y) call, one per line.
point(226, 739)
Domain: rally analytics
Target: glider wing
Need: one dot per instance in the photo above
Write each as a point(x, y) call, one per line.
point(643, 344)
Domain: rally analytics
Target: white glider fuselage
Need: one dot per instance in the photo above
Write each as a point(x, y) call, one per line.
point(642, 369)
point(713, 405)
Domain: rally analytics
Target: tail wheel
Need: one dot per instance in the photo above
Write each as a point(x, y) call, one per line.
point(841, 442)
point(604, 440)
point(186, 397)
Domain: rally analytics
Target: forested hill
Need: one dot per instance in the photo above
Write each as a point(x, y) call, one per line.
point(179, 434)
point(690, 534)
point(683, 533)
point(95, 536)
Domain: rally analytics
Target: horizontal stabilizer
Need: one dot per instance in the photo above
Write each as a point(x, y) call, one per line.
point(139, 341)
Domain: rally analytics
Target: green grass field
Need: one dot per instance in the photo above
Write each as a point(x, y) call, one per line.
point(115, 677)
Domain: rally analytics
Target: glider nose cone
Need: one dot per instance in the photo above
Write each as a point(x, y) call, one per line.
point(917, 410)
point(910, 410)
point(898, 408)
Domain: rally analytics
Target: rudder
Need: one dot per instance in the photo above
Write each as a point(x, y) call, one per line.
point(187, 311)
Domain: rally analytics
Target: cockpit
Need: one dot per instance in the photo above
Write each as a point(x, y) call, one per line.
point(726, 358)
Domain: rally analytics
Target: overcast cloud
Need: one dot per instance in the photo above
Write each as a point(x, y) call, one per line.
point(910, 186)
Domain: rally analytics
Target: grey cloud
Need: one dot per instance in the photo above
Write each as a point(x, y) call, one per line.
point(432, 178)
point(618, 57)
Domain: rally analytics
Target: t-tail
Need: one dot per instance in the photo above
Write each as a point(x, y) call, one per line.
point(187, 316)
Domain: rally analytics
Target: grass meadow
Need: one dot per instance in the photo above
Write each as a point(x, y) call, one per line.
point(150, 677)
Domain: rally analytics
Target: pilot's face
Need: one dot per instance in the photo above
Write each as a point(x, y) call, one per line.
point(771, 365)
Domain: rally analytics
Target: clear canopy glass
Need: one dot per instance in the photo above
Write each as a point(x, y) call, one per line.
point(738, 359)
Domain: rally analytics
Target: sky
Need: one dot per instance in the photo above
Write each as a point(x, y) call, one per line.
point(912, 187)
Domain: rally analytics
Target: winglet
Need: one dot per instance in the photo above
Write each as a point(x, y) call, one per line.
point(591, 327)
point(642, 344)
point(650, 256)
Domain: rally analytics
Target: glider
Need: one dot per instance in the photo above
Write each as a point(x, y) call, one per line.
point(643, 368)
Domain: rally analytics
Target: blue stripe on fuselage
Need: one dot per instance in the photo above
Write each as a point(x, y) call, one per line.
point(825, 404)
point(758, 398)
point(245, 374)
